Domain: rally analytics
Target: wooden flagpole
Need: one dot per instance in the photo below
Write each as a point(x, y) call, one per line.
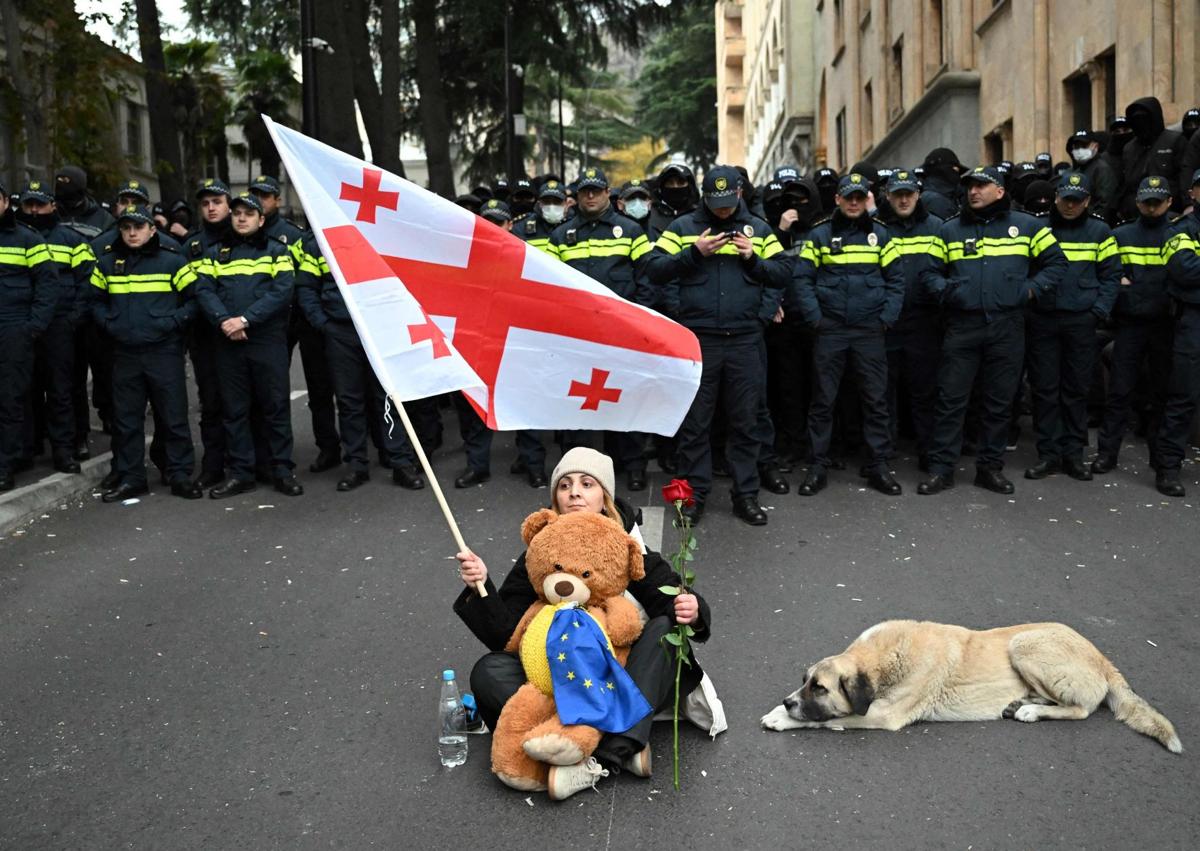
point(437, 488)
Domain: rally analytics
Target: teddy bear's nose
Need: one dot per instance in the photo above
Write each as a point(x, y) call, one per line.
point(563, 588)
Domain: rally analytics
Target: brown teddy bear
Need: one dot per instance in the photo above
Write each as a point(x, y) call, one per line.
point(573, 559)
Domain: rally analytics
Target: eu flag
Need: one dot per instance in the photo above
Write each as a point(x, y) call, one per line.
point(590, 686)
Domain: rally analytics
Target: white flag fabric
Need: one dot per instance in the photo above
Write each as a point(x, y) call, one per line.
point(550, 347)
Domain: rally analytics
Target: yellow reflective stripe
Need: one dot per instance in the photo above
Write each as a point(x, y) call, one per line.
point(770, 247)
point(60, 254)
point(809, 253)
point(32, 256)
point(1017, 246)
point(309, 264)
point(1081, 251)
point(1042, 240)
point(938, 249)
point(1179, 242)
point(909, 245)
point(1142, 255)
point(97, 280)
point(595, 248)
point(669, 242)
point(889, 254)
point(252, 266)
point(641, 246)
point(129, 284)
point(82, 254)
point(184, 278)
point(1108, 249)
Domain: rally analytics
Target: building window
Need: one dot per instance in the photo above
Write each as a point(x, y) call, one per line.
point(133, 131)
point(840, 137)
point(868, 117)
point(1079, 101)
point(997, 145)
point(895, 89)
point(935, 41)
point(1109, 64)
point(839, 25)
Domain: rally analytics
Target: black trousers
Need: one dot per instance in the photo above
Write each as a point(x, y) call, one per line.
point(93, 351)
point(153, 374)
point(733, 371)
point(863, 350)
point(477, 440)
point(255, 373)
point(202, 346)
point(1137, 344)
point(914, 347)
point(16, 372)
point(1062, 356)
point(789, 347)
point(361, 399)
point(317, 377)
point(51, 400)
point(497, 676)
point(992, 348)
point(1183, 391)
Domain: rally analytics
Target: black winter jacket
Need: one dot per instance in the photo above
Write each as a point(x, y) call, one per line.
point(142, 296)
point(29, 284)
point(316, 290)
point(251, 277)
point(916, 242)
point(610, 249)
point(721, 294)
point(1159, 153)
point(73, 260)
point(1093, 273)
point(1141, 245)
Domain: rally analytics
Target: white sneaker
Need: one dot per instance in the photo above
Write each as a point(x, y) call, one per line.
point(639, 764)
point(566, 780)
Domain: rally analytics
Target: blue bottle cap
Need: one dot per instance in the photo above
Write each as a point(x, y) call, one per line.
point(448, 674)
point(468, 700)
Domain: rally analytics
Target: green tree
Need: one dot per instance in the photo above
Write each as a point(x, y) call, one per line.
point(265, 86)
point(677, 89)
point(201, 105)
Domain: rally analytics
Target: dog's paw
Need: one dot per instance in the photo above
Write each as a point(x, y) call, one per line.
point(553, 749)
point(1010, 711)
point(1027, 713)
point(778, 719)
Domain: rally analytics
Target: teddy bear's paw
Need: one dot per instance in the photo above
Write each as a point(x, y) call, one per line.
point(521, 784)
point(553, 749)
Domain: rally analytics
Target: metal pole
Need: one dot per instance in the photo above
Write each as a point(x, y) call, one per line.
point(308, 70)
point(508, 123)
point(562, 162)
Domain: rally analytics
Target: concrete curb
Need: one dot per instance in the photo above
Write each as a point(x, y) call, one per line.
point(19, 506)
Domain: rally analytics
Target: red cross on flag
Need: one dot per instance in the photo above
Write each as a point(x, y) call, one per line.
point(551, 348)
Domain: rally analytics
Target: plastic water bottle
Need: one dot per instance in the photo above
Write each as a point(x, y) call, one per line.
point(452, 727)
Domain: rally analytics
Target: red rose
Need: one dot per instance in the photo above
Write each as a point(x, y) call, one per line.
point(680, 490)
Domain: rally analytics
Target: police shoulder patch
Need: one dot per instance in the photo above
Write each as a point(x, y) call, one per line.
point(872, 239)
point(748, 231)
point(617, 231)
point(1013, 230)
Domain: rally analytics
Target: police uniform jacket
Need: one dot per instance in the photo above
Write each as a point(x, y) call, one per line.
point(848, 272)
point(72, 259)
point(29, 285)
point(1094, 266)
point(142, 296)
point(915, 240)
point(610, 249)
point(535, 230)
point(1142, 244)
point(721, 294)
point(316, 290)
point(251, 277)
point(1183, 267)
point(197, 244)
point(992, 260)
point(1189, 224)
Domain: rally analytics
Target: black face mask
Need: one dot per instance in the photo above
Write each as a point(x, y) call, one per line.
point(1036, 206)
point(676, 197)
point(1118, 141)
point(37, 221)
point(520, 208)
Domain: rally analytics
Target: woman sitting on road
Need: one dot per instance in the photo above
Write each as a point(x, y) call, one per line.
point(584, 481)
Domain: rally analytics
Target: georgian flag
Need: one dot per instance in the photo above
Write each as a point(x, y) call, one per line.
point(547, 347)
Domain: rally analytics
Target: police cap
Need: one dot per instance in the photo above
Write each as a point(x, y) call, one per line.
point(1153, 188)
point(496, 211)
point(266, 183)
point(134, 188)
point(246, 199)
point(1074, 184)
point(593, 177)
point(903, 181)
point(634, 187)
point(720, 187)
point(35, 190)
point(984, 174)
point(212, 186)
point(135, 213)
point(552, 189)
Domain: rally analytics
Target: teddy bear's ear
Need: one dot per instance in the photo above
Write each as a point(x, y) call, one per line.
point(536, 522)
point(637, 565)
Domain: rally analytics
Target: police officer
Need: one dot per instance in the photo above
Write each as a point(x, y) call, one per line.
point(847, 284)
point(52, 400)
point(476, 436)
point(677, 196)
point(142, 299)
point(75, 206)
point(991, 262)
point(313, 358)
point(129, 192)
point(609, 248)
point(29, 293)
point(1190, 222)
point(536, 226)
point(360, 396)
point(1183, 389)
point(1143, 319)
point(1061, 331)
point(1084, 149)
point(723, 277)
point(245, 290)
point(914, 343)
point(212, 197)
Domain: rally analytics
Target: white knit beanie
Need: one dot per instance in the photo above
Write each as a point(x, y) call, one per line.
point(581, 459)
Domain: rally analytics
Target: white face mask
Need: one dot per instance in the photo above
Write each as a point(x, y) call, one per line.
point(553, 213)
point(1082, 155)
point(637, 208)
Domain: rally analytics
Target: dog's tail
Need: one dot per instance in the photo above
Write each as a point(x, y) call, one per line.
point(1139, 714)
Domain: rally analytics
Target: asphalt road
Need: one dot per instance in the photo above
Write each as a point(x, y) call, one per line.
point(262, 672)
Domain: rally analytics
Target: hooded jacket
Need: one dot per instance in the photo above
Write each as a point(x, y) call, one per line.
point(848, 272)
point(87, 217)
point(1153, 150)
point(1093, 273)
point(661, 212)
point(940, 191)
point(721, 294)
point(1105, 182)
point(916, 242)
point(29, 286)
point(774, 207)
point(992, 261)
point(142, 296)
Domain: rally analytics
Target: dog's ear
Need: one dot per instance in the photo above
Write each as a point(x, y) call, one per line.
point(536, 522)
point(858, 691)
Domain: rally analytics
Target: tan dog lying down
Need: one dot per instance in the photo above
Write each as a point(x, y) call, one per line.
point(900, 672)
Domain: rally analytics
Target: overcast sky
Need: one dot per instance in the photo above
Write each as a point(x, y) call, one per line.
point(170, 12)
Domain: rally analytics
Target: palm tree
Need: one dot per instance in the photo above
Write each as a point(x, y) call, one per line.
point(202, 107)
point(265, 87)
